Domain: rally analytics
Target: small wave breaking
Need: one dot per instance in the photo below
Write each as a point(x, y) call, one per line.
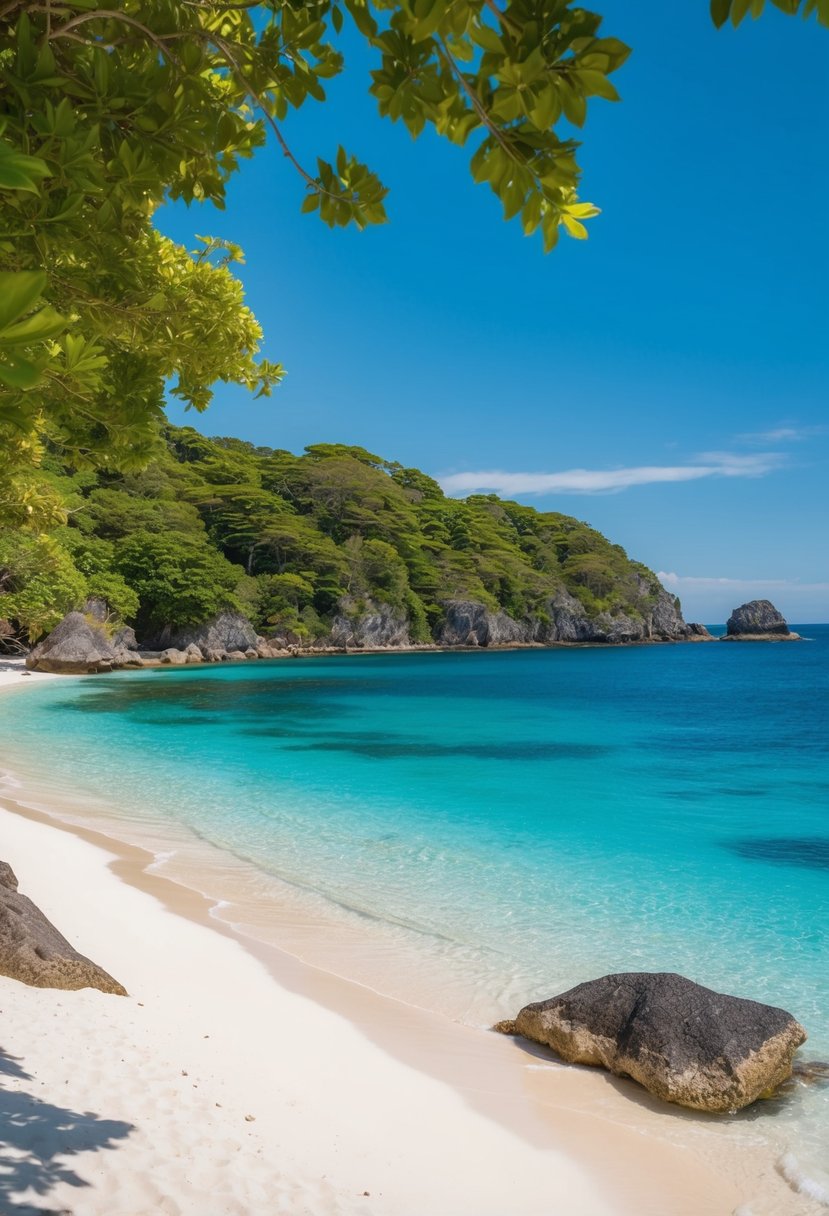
point(791, 1170)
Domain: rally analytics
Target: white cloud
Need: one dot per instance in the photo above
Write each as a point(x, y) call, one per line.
point(675, 582)
point(783, 434)
point(604, 481)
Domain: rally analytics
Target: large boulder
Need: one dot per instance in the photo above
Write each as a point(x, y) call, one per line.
point(685, 1043)
point(757, 619)
point(32, 950)
point(77, 646)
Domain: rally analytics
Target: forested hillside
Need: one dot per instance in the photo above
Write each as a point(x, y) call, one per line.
point(306, 544)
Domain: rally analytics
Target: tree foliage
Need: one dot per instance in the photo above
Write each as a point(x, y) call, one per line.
point(298, 540)
point(736, 10)
point(108, 110)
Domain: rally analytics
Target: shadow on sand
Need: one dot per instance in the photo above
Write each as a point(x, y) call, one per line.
point(36, 1138)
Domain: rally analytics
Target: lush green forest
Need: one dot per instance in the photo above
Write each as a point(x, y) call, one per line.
point(293, 541)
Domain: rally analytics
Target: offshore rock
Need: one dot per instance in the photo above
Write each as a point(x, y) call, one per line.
point(77, 646)
point(684, 1043)
point(757, 620)
point(34, 952)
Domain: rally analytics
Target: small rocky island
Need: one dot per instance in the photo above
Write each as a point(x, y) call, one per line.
point(758, 621)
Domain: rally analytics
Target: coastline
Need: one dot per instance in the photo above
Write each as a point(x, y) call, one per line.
point(430, 1115)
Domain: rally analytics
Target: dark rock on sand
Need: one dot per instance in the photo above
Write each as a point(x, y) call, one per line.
point(34, 952)
point(757, 620)
point(685, 1043)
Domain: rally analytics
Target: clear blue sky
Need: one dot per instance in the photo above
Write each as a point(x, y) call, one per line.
point(667, 380)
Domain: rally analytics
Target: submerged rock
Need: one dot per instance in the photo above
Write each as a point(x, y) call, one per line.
point(684, 1043)
point(758, 620)
point(34, 952)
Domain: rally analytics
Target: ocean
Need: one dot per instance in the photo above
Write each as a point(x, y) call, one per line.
point(497, 826)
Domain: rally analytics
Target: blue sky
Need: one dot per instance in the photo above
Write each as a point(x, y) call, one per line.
point(667, 380)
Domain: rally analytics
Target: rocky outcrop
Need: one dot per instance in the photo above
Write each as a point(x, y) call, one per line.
point(79, 645)
point(758, 620)
point(699, 633)
point(85, 642)
point(226, 632)
point(82, 644)
point(564, 619)
point(685, 1043)
point(374, 627)
point(34, 952)
point(469, 623)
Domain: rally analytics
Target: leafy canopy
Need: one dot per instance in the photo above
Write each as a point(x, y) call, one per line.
point(107, 110)
point(299, 540)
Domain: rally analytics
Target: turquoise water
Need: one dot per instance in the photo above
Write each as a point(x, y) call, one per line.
point(530, 819)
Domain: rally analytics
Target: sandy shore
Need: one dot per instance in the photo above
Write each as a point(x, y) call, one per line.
point(238, 1080)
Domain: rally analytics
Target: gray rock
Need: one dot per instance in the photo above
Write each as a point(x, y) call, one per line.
point(194, 653)
point(97, 608)
point(564, 619)
point(77, 646)
point(685, 1043)
point(34, 952)
point(124, 638)
point(699, 633)
point(470, 623)
point(757, 619)
point(177, 658)
point(375, 627)
point(227, 631)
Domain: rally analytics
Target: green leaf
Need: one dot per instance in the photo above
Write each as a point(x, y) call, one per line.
point(19, 172)
point(739, 8)
point(719, 12)
point(46, 323)
point(19, 292)
point(19, 373)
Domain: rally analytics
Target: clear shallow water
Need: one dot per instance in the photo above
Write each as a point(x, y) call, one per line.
point(520, 821)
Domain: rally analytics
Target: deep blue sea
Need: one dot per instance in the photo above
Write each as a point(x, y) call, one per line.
point(520, 821)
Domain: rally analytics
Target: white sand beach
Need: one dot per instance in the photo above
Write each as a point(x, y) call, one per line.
point(233, 1080)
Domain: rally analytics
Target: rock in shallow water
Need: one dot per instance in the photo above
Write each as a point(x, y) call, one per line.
point(34, 952)
point(685, 1043)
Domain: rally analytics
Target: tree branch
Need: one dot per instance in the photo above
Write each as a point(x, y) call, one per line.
point(477, 104)
point(114, 15)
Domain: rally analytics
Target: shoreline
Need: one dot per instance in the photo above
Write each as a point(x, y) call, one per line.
point(524, 1134)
